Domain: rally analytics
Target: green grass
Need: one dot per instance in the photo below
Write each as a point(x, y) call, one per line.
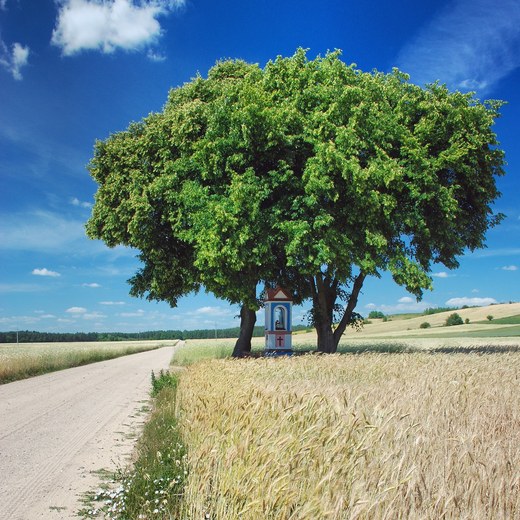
point(153, 487)
point(198, 350)
point(492, 332)
point(508, 320)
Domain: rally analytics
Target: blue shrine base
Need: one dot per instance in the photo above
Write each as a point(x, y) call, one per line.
point(278, 352)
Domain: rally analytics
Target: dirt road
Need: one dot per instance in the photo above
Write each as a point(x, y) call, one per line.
point(57, 430)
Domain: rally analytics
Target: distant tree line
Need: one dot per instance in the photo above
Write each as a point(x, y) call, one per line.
point(28, 336)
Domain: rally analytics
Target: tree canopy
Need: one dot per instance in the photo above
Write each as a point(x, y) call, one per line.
point(307, 173)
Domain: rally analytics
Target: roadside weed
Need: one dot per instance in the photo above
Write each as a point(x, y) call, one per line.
point(153, 487)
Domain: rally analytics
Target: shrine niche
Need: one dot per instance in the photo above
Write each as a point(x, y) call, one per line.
point(278, 321)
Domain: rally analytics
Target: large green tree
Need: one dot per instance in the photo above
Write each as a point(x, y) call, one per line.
point(191, 188)
point(398, 178)
point(307, 173)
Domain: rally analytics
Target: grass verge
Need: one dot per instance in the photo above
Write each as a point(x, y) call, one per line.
point(153, 487)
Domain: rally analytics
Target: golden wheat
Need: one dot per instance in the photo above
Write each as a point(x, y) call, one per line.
point(422, 436)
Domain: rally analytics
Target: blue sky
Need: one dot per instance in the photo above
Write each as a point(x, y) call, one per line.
point(73, 71)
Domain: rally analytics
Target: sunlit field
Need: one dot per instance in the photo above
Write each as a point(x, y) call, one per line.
point(195, 350)
point(27, 360)
point(423, 435)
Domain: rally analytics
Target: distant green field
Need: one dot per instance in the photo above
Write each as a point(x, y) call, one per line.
point(492, 332)
point(508, 320)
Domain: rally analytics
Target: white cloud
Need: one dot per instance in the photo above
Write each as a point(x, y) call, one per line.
point(137, 314)
point(405, 307)
point(109, 24)
point(20, 58)
point(470, 45)
point(15, 59)
point(214, 311)
point(3, 4)
point(506, 251)
point(39, 231)
point(48, 232)
point(154, 56)
point(510, 268)
point(45, 272)
point(93, 316)
point(404, 304)
point(470, 302)
point(442, 274)
point(76, 310)
point(112, 303)
point(92, 285)
point(18, 321)
point(76, 202)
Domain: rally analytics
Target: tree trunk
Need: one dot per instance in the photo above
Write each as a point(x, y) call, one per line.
point(324, 294)
point(326, 343)
point(323, 300)
point(247, 325)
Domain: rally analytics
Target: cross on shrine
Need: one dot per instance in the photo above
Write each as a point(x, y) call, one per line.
point(279, 339)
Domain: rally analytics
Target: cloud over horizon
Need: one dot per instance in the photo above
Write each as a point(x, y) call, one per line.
point(470, 302)
point(109, 25)
point(470, 45)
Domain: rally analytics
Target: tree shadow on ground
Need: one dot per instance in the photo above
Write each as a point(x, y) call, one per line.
point(400, 348)
point(477, 349)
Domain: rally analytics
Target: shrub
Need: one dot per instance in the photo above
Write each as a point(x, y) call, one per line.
point(164, 380)
point(374, 315)
point(466, 321)
point(489, 317)
point(424, 325)
point(453, 319)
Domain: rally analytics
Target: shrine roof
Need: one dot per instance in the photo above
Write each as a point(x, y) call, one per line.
point(278, 294)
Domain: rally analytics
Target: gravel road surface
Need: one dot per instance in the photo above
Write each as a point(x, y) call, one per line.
point(58, 430)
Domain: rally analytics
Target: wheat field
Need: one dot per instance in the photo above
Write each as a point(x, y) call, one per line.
point(372, 436)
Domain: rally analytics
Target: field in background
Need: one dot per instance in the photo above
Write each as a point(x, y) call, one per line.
point(31, 359)
point(479, 325)
point(419, 435)
point(401, 333)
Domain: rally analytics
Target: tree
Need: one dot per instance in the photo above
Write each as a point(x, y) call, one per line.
point(395, 177)
point(193, 189)
point(454, 319)
point(307, 173)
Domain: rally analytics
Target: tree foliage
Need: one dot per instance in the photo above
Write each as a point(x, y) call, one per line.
point(454, 319)
point(307, 173)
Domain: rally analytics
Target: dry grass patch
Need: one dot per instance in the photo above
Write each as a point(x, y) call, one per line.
point(32, 359)
point(369, 436)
